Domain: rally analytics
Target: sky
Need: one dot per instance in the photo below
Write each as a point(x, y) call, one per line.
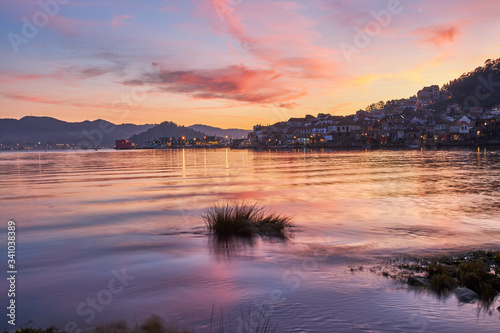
point(232, 63)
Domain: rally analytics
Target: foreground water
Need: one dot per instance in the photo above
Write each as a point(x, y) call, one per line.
point(117, 235)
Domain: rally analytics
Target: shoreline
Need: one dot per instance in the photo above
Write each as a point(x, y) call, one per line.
point(326, 148)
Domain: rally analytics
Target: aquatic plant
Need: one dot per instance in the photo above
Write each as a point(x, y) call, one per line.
point(243, 220)
point(477, 271)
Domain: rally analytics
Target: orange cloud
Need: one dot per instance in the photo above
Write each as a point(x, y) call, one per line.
point(33, 99)
point(287, 105)
point(340, 108)
point(438, 35)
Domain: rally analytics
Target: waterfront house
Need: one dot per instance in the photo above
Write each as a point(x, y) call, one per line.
point(412, 135)
point(460, 127)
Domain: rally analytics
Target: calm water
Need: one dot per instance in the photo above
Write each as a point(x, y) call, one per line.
point(85, 217)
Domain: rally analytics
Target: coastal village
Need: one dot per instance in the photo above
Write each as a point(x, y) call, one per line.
point(409, 122)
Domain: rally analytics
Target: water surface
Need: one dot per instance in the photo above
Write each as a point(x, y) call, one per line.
point(84, 216)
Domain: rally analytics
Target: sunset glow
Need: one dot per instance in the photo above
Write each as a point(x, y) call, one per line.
point(232, 63)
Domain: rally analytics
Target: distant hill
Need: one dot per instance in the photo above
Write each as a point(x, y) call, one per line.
point(166, 129)
point(232, 133)
point(99, 132)
point(50, 130)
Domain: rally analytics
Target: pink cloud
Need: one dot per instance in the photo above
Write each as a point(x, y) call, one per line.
point(279, 33)
point(119, 20)
point(236, 83)
point(13, 77)
point(54, 101)
point(279, 37)
point(65, 74)
point(167, 7)
point(33, 99)
point(438, 35)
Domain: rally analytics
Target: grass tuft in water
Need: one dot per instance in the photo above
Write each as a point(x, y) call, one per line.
point(243, 220)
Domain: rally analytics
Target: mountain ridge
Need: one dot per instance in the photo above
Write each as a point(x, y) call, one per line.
point(49, 130)
point(96, 133)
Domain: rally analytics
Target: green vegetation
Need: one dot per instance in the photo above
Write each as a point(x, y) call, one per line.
point(478, 271)
point(483, 81)
point(440, 279)
point(51, 329)
point(167, 129)
point(155, 324)
point(242, 220)
point(479, 86)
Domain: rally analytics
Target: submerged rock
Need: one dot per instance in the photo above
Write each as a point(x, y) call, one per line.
point(418, 281)
point(466, 295)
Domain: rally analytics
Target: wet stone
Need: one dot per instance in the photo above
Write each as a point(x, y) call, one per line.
point(466, 295)
point(418, 281)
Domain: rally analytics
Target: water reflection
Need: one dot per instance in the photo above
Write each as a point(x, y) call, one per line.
point(81, 214)
point(224, 247)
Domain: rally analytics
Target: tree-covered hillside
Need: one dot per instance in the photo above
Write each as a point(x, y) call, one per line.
point(480, 87)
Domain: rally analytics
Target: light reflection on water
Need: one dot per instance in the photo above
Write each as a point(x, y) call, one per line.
point(83, 214)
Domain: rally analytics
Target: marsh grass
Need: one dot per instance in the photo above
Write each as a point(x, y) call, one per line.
point(262, 325)
point(478, 271)
point(51, 329)
point(244, 220)
point(155, 324)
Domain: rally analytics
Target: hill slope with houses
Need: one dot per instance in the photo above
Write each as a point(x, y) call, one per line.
point(465, 111)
